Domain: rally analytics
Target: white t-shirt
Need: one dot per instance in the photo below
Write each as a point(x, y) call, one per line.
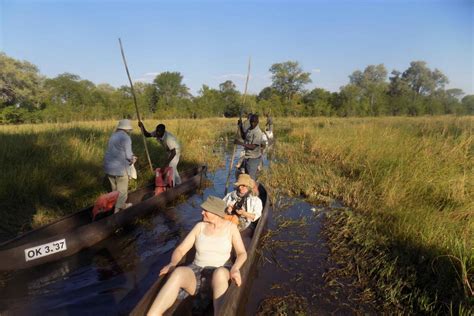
point(253, 205)
point(168, 141)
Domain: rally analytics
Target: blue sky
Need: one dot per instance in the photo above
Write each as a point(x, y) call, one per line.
point(209, 42)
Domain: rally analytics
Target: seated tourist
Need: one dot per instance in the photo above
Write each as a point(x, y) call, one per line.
point(244, 201)
point(213, 239)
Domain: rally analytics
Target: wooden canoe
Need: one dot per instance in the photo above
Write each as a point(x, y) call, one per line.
point(77, 231)
point(234, 296)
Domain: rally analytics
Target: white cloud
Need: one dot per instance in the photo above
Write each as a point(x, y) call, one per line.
point(147, 77)
point(316, 70)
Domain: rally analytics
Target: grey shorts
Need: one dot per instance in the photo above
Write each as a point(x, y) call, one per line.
point(203, 281)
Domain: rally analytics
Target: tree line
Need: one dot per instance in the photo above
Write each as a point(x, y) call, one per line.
point(26, 96)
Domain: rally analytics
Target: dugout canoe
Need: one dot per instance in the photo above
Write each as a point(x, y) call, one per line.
point(234, 297)
point(77, 231)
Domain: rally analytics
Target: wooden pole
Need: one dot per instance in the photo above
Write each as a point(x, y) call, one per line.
point(136, 106)
point(238, 130)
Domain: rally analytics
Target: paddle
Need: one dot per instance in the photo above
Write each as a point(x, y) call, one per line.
point(238, 130)
point(136, 106)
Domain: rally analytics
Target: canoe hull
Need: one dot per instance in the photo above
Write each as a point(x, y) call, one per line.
point(75, 232)
point(234, 295)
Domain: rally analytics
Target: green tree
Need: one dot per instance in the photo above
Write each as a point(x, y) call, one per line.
point(209, 102)
point(422, 80)
point(169, 87)
point(20, 83)
point(289, 78)
point(468, 104)
point(317, 102)
point(372, 85)
point(399, 94)
point(231, 99)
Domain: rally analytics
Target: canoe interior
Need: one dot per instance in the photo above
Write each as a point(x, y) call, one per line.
point(234, 295)
point(83, 217)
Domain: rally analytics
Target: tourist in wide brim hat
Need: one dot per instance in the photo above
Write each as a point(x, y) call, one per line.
point(213, 238)
point(244, 202)
point(117, 161)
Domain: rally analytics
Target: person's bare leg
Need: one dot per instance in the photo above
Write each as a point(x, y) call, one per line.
point(220, 283)
point(182, 277)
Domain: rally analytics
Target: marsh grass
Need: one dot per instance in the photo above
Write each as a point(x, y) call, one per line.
point(410, 181)
point(50, 170)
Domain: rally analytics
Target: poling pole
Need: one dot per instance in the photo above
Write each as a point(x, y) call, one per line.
point(136, 106)
point(238, 129)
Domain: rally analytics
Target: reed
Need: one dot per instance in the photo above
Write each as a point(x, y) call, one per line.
point(49, 170)
point(410, 184)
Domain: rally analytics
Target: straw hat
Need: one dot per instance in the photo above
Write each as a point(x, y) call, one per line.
point(214, 205)
point(244, 179)
point(124, 124)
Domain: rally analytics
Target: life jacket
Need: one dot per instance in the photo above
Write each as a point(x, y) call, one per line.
point(163, 179)
point(105, 203)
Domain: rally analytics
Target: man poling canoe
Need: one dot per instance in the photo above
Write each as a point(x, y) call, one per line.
point(253, 142)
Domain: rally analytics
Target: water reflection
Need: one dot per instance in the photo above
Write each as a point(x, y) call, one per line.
point(111, 277)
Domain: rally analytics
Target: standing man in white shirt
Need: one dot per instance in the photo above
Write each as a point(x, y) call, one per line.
point(170, 144)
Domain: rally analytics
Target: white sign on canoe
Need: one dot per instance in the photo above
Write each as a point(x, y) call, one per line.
point(45, 249)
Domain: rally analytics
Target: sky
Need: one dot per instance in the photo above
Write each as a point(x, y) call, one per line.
point(211, 41)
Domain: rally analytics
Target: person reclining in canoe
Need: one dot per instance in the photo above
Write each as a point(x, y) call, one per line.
point(213, 239)
point(244, 201)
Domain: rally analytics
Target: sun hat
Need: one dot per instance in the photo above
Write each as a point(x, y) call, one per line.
point(124, 124)
point(244, 179)
point(214, 205)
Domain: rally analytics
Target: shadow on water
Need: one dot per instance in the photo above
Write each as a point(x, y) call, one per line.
point(111, 277)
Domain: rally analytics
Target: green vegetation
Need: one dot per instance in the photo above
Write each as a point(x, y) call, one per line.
point(410, 184)
point(28, 97)
point(49, 170)
point(408, 180)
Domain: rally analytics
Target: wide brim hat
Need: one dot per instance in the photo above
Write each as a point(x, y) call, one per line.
point(125, 124)
point(245, 179)
point(214, 205)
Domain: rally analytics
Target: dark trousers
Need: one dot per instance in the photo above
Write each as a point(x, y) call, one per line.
point(251, 165)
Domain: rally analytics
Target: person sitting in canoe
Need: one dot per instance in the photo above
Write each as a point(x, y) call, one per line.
point(244, 201)
point(170, 144)
point(213, 239)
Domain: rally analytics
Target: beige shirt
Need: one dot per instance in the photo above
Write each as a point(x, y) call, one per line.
point(254, 136)
point(213, 251)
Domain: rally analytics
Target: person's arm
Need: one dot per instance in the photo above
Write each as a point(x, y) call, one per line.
point(241, 128)
point(247, 146)
point(182, 249)
point(144, 131)
point(229, 202)
point(171, 155)
point(241, 255)
point(127, 144)
point(245, 214)
point(256, 209)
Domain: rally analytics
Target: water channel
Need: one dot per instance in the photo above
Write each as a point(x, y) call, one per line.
point(111, 277)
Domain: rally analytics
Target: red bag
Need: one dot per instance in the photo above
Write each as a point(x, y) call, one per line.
point(105, 203)
point(163, 179)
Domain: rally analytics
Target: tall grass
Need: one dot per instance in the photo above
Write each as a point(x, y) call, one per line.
point(411, 182)
point(49, 170)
